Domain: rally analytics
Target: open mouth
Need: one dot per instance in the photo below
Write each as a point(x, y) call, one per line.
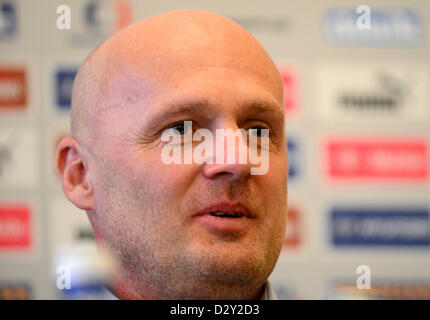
point(227, 214)
point(226, 218)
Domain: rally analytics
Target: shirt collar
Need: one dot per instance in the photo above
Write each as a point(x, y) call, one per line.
point(269, 293)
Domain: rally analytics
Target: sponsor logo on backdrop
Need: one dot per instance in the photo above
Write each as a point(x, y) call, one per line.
point(294, 230)
point(380, 227)
point(18, 157)
point(63, 87)
point(100, 19)
point(13, 88)
point(390, 94)
point(375, 92)
point(81, 271)
point(83, 233)
point(293, 159)
point(8, 20)
point(15, 227)
point(360, 159)
point(291, 90)
point(72, 226)
point(394, 27)
point(111, 16)
point(393, 290)
point(15, 291)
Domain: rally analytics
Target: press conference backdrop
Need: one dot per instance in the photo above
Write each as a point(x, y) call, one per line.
point(358, 124)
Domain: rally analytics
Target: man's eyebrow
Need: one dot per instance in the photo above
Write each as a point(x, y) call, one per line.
point(172, 110)
point(186, 108)
point(257, 107)
point(199, 107)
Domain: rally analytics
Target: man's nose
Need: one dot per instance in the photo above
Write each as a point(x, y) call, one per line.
point(229, 158)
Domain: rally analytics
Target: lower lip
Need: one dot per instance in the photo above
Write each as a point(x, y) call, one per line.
point(227, 225)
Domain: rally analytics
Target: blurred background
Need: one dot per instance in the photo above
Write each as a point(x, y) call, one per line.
point(356, 80)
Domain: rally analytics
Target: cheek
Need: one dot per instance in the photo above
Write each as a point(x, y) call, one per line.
point(147, 178)
point(276, 178)
point(131, 195)
point(273, 188)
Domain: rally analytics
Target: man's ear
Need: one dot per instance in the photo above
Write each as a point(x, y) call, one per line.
point(74, 174)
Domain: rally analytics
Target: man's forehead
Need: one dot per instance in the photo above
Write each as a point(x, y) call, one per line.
point(189, 103)
point(139, 61)
point(189, 84)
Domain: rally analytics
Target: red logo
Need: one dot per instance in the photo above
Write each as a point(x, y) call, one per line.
point(379, 159)
point(124, 12)
point(293, 234)
point(20, 291)
point(13, 88)
point(289, 81)
point(15, 231)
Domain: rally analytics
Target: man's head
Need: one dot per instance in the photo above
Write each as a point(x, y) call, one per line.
point(156, 218)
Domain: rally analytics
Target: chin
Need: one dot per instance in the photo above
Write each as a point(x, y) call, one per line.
point(230, 264)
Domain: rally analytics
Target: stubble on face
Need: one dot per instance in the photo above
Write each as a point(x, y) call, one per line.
point(144, 208)
point(161, 257)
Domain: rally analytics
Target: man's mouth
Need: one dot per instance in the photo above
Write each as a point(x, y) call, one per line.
point(225, 218)
point(227, 214)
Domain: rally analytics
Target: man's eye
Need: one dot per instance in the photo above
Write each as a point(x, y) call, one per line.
point(181, 127)
point(259, 131)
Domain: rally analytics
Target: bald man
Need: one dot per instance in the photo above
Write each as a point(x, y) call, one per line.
point(178, 231)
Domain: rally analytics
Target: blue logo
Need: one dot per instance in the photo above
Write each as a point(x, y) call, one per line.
point(7, 20)
point(90, 13)
point(293, 158)
point(390, 27)
point(64, 84)
point(100, 19)
point(380, 227)
point(107, 16)
point(90, 291)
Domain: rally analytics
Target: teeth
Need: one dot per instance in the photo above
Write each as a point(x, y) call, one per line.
point(229, 214)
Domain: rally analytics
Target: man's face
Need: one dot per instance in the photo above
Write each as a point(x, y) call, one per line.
point(147, 209)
